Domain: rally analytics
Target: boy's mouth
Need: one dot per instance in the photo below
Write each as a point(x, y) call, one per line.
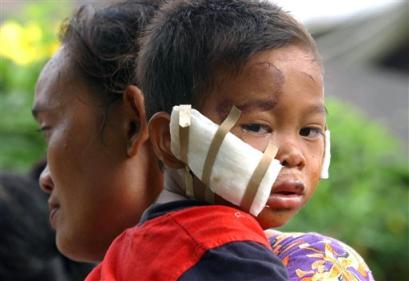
point(287, 195)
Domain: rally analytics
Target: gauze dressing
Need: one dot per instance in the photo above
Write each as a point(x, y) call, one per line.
point(236, 165)
point(327, 156)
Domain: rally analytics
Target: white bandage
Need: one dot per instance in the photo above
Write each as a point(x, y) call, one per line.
point(327, 156)
point(234, 164)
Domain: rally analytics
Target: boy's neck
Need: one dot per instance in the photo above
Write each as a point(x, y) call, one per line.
point(174, 186)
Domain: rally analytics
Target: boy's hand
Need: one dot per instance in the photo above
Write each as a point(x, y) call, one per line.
point(271, 232)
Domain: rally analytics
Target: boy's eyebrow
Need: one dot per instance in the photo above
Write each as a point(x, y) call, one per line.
point(262, 104)
point(317, 109)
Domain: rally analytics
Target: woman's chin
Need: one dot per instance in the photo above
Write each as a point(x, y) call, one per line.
point(64, 247)
point(74, 250)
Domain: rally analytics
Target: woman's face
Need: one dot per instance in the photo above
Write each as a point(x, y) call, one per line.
point(97, 189)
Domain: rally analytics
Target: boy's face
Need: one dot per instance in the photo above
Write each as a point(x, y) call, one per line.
point(280, 94)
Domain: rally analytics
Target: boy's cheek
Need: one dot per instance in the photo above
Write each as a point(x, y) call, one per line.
point(313, 177)
point(314, 156)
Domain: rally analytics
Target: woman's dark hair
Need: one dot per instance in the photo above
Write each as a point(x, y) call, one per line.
point(103, 44)
point(190, 41)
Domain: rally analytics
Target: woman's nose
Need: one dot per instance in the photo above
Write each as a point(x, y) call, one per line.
point(46, 182)
point(290, 153)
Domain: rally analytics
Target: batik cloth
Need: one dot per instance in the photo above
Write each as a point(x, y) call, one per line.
point(315, 257)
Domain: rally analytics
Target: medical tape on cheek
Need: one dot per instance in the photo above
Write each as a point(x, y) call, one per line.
point(185, 113)
point(327, 156)
point(258, 174)
point(218, 138)
point(233, 166)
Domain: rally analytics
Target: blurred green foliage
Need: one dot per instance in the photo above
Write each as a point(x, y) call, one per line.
point(364, 203)
point(27, 40)
point(20, 143)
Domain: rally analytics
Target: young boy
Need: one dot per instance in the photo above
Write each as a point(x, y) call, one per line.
point(220, 56)
point(216, 55)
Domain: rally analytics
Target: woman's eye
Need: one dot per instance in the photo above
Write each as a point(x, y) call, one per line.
point(311, 132)
point(256, 128)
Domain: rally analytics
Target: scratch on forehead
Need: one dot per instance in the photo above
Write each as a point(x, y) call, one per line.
point(311, 77)
point(273, 73)
point(273, 85)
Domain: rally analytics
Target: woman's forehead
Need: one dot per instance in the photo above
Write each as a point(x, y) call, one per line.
point(58, 83)
point(51, 78)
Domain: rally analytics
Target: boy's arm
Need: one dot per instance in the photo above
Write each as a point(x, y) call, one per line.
point(237, 261)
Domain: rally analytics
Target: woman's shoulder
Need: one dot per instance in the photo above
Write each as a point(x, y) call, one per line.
point(313, 255)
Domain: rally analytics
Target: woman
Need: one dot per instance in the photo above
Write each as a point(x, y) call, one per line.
point(101, 173)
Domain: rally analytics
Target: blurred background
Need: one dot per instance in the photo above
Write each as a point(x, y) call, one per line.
point(365, 49)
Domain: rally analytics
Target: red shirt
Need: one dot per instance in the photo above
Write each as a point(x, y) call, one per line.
point(165, 247)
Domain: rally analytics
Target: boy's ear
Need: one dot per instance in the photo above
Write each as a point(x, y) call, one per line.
point(136, 124)
point(159, 133)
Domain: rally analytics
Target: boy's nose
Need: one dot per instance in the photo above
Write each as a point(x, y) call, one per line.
point(290, 154)
point(46, 182)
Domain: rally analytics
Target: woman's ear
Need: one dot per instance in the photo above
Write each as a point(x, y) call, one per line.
point(159, 133)
point(136, 124)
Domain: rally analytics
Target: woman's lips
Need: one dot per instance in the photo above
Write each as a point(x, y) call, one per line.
point(286, 195)
point(53, 217)
point(53, 209)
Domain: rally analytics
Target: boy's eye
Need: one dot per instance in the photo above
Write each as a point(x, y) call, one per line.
point(256, 128)
point(311, 132)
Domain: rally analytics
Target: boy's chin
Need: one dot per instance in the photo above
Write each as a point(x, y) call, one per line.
point(269, 218)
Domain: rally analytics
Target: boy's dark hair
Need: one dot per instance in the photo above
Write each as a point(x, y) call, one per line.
point(190, 42)
point(103, 44)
